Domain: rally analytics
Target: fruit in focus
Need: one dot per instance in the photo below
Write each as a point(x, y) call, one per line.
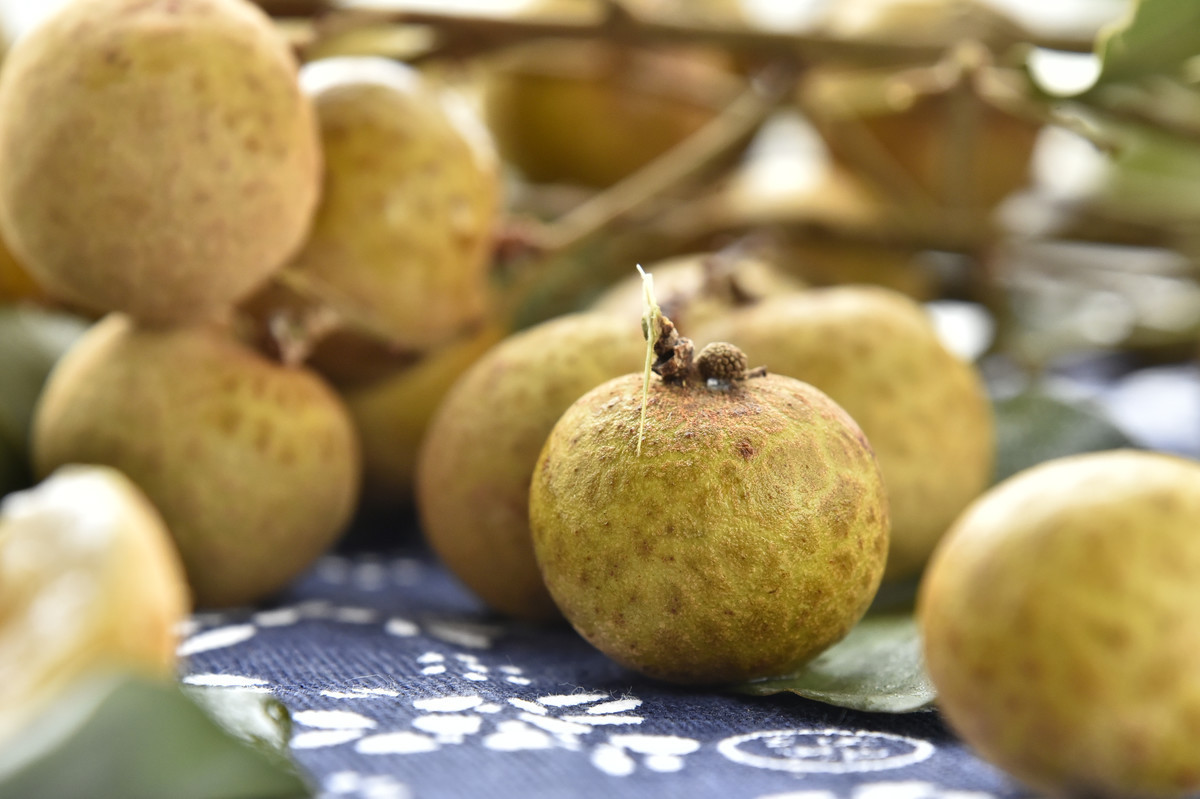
point(749, 535)
point(480, 449)
point(402, 239)
point(925, 411)
point(1060, 627)
point(89, 579)
point(254, 465)
point(156, 158)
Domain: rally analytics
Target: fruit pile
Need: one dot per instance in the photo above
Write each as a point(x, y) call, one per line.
point(277, 290)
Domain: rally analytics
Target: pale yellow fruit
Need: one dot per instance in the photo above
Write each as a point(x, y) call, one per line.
point(89, 580)
point(748, 535)
point(925, 411)
point(254, 465)
point(1060, 625)
point(392, 414)
point(480, 449)
point(156, 158)
point(402, 239)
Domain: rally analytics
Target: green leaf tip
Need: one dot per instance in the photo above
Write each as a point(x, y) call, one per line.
point(877, 668)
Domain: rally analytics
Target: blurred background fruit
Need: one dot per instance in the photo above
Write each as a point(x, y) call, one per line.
point(402, 240)
point(173, 180)
point(593, 112)
point(479, 451)
point(254, 465)
point(90, 581)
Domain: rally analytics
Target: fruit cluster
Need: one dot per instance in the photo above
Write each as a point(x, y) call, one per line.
point(298, 306)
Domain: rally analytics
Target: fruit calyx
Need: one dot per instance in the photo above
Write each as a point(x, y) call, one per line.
point(718, 365)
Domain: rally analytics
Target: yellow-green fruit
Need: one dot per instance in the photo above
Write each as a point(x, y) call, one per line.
point(592, 113)
point(391, 415)
point(1060, 625)
point(479, 452)
point(692, 289)
point(254, 465)
point(925, 411)
point(156, 158)
point(748, 535)
point(89, 580)
point(402, 239)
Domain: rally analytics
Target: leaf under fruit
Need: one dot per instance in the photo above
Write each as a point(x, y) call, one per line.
point(877, 668)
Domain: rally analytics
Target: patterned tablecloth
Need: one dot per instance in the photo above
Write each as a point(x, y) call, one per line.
point(402, 685)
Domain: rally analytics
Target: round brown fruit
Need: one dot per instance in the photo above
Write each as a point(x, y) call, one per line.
point(480, 449)
point(748, 535)
point(402, 240)
point(933, 133)
point(592, 113)
point(155, 158)
point(254, 465)
point(1060, 628)
point(925, 411)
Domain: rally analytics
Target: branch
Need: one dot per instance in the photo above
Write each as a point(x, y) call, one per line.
point(462, 35)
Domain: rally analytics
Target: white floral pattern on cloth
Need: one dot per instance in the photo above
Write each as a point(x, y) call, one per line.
point(454, 682)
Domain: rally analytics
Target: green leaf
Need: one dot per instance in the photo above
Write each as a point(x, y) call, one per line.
point(1156, 37)
point(1034, 426)
point(878, 667)
point(125, 737)
point(31, 342)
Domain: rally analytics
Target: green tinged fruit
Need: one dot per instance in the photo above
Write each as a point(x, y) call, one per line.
point(749, 535)
point(480, 449)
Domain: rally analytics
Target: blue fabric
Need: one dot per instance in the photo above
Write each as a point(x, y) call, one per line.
point(400, 684)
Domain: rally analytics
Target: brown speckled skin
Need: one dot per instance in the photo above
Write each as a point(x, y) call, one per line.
point(1061, 629)
point(479, 451)
point(925, 411)
point(254, 466)
point(157, 156)
point(403, 236)
point(749, 535)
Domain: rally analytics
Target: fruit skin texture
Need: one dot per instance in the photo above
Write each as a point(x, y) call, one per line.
point(158, 158)
point(478, 455)
point(1060, 626)
point(254, 466)
point(88, 549)
point(924, 410)
point(748, 536)
point(401, 242)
